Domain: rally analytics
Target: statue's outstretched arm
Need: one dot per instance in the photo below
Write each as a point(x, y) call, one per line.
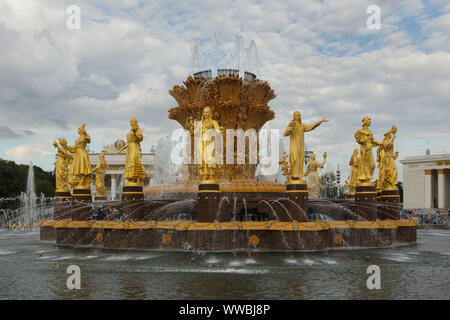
point(71, 149)
point(315, 125)
point(124, 147)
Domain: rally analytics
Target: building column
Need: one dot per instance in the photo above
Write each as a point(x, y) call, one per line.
point(113, 187)
point(428, 198)
point(442, 192)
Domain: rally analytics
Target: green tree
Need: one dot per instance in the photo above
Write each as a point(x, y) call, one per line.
point(13, 180)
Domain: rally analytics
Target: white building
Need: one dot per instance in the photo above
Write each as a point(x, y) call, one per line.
point(116, 167)
point(426, 181)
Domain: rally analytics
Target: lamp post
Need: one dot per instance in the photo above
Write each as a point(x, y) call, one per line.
point(338, 179)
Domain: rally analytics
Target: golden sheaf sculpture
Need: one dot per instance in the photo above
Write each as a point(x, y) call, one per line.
point(285, 168)
point(134, 170)
point(100, 171)
point(234, 105)
point(80, 173)
point(296, 132)
point(63, 160)
point(365, 139)
point(390, 174)
point(314, 185)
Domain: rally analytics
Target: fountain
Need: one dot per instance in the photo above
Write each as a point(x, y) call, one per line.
point(25, 211)
point(220, 206)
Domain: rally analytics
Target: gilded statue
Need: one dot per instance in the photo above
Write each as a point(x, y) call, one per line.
point(390, 174)
point(353, 179)
point(205, 131)
point(349, 187)
point(134, 170)
point(62, 163)
point(380, 164)
point(295, 131)
point(285, 169)
point(100, 170)
point(80, 173)
point(314, 185)
point(365, 139)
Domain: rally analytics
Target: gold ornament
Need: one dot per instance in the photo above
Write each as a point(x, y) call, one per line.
point(253, 240)
point(166, 238)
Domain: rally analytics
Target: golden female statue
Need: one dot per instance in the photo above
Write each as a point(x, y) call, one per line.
point(390, 178)
point(380, 164)
point(314, 185)
point(62, 165)
point(296, 130)
point(80, 174)
point(100, 170)
point(134, 170)
point(365, 139)
point(354, 164)
point(204, 133)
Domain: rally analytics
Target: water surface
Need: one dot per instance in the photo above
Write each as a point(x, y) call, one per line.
point(30, 269)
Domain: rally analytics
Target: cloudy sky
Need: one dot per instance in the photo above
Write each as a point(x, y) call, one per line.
point(319, 57)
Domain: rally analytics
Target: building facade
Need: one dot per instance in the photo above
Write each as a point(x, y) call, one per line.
point(426, 181)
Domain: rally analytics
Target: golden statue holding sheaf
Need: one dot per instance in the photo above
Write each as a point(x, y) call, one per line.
point(295, 131)
point(390, 174)
point(80, 173)
point(314, 185)
point(62, 163)
point(134, 170)
point(380, 165)
point(365, 139)
point(204, 132)
point(353, 179)
point(100, 170)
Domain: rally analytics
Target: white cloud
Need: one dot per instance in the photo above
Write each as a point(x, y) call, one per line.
point(318, 56)
point(27, 153)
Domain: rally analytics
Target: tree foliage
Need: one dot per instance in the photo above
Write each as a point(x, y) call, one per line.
point(13, 180)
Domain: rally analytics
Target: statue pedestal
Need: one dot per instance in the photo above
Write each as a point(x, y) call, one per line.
point(62, 206)
point(208, 198)
point(81, 204)
point(100, 198)
point(298, 193)
point(133, 203)
point(389, 205)
point(366, 202)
